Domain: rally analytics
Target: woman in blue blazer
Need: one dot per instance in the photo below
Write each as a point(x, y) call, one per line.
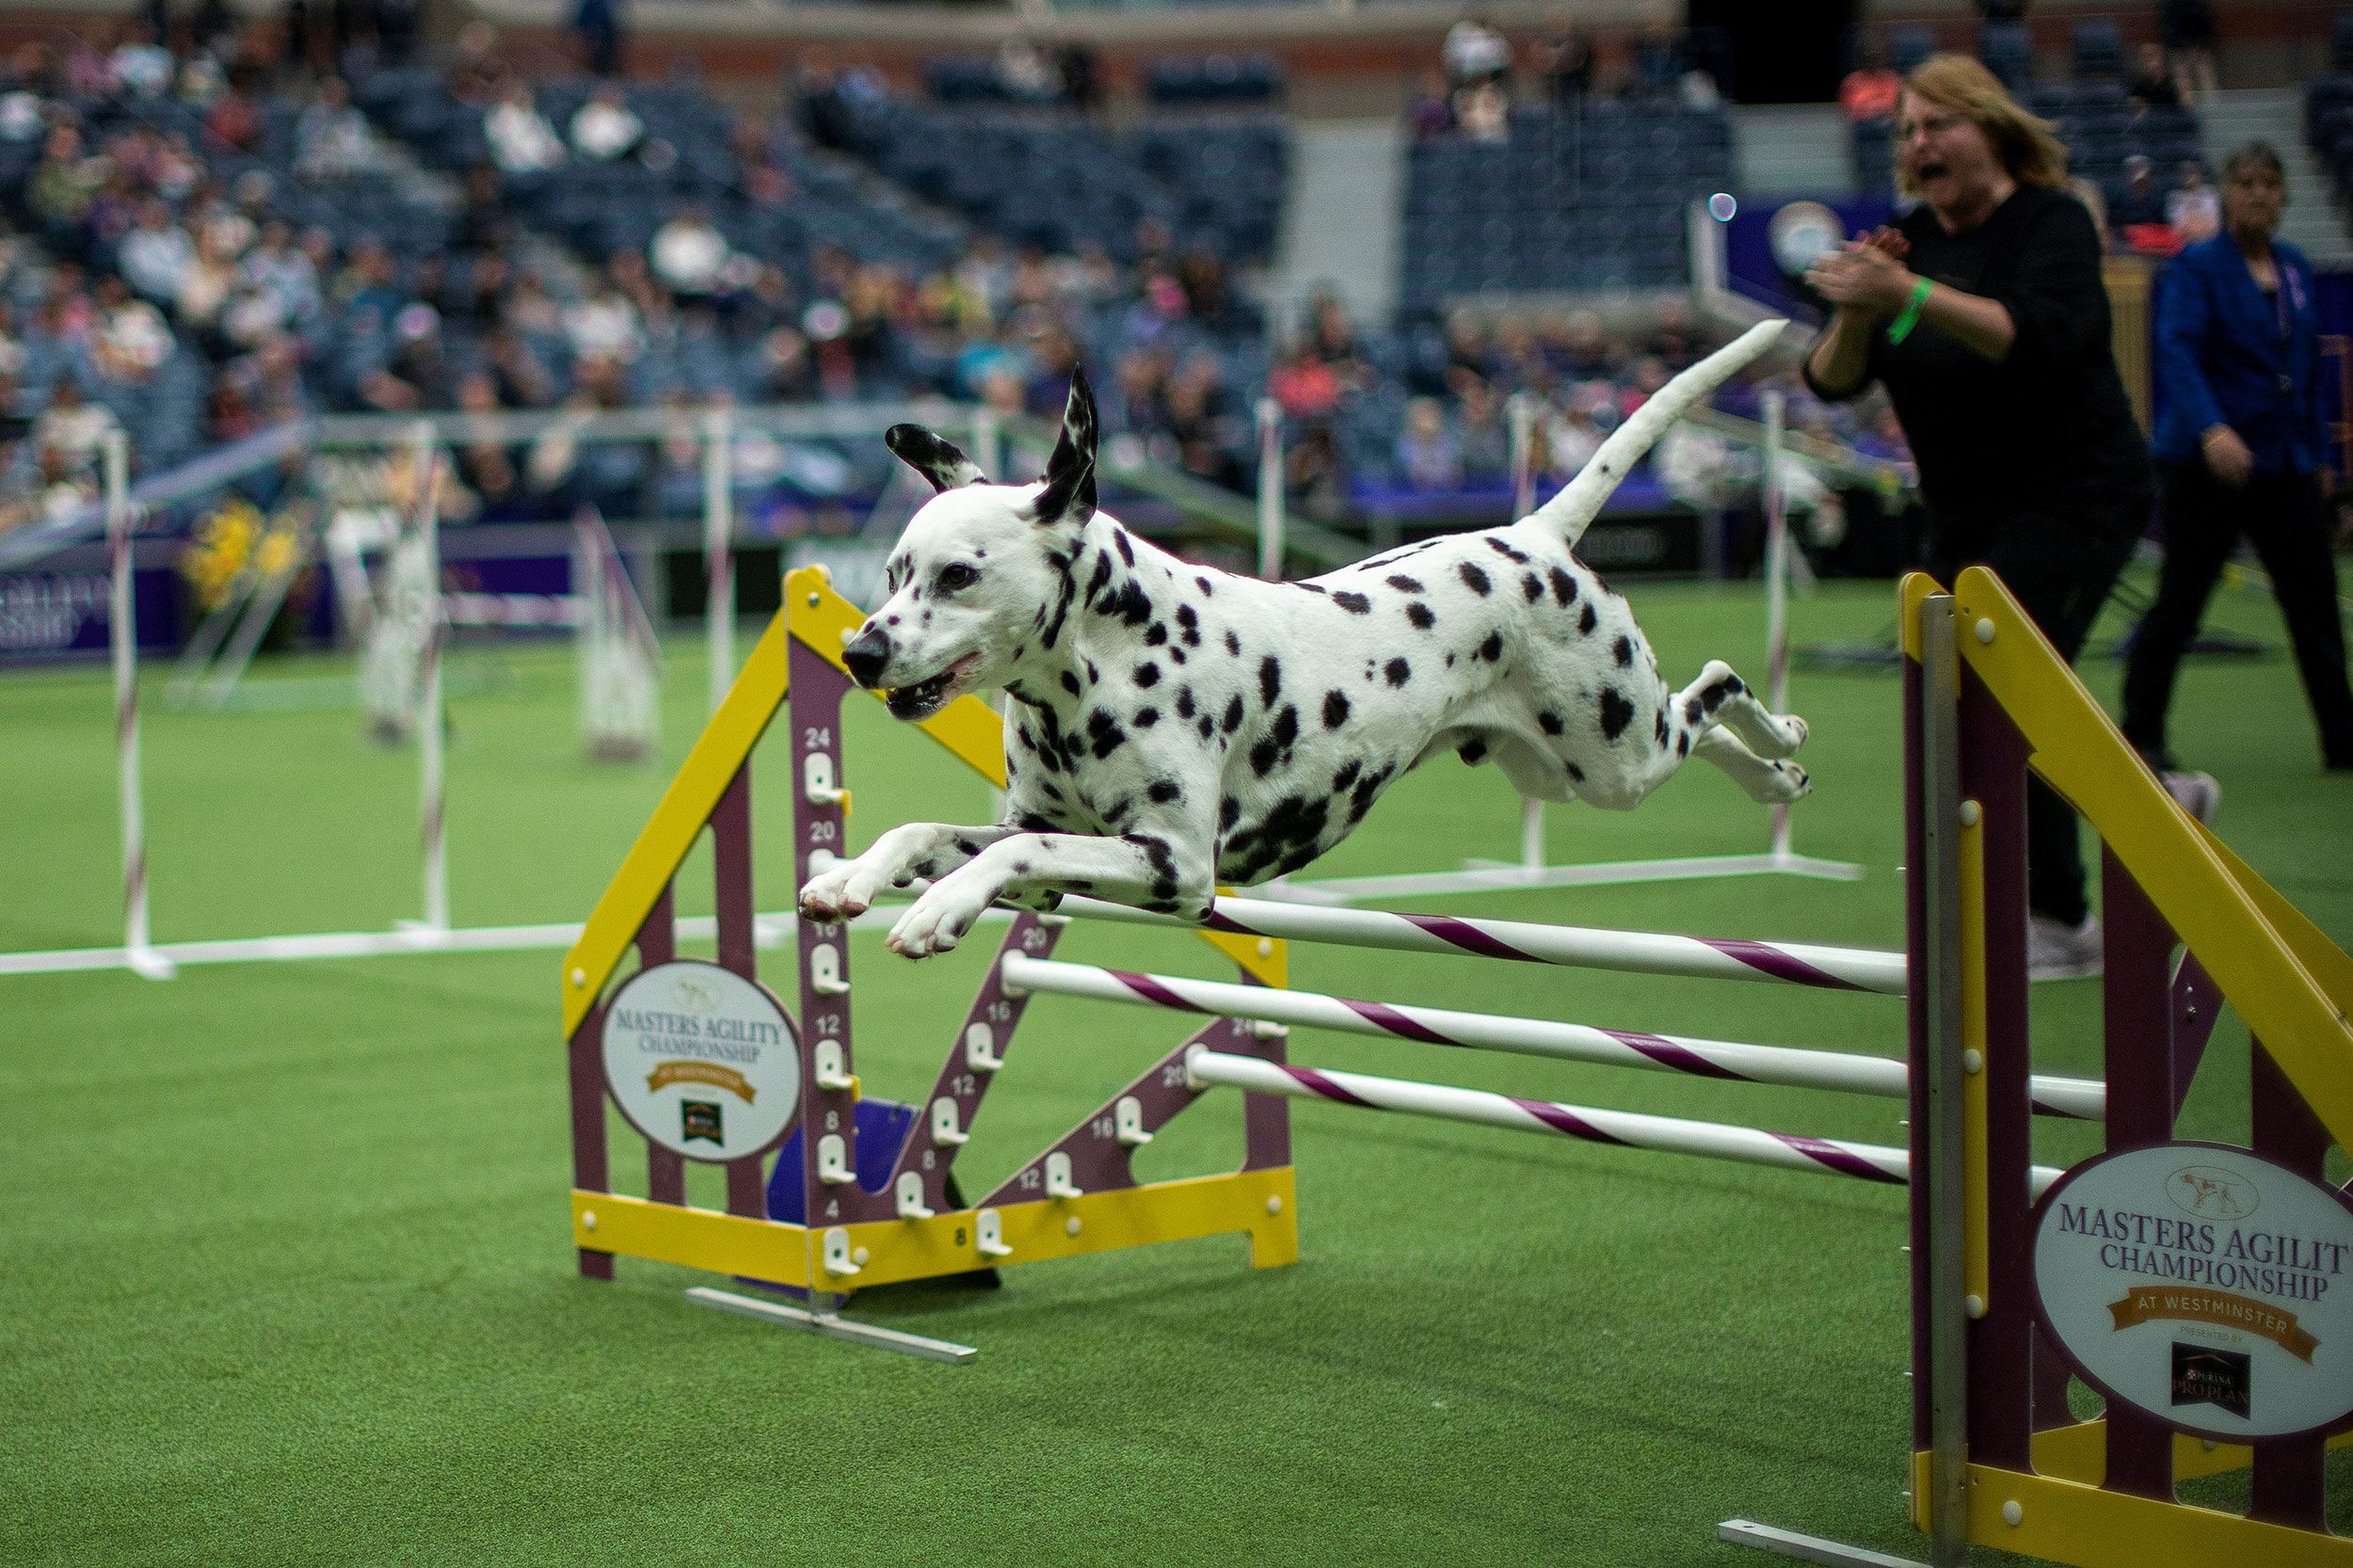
point(2239, 447)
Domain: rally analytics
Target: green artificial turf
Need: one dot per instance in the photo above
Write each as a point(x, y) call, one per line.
point(288, 1274)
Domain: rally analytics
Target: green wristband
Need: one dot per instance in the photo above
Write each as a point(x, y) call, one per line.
point(1909, 317)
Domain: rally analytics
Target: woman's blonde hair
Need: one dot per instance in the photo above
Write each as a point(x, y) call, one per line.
point(2027, 144)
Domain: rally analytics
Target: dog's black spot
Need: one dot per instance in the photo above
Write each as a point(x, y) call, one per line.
point(1564, 587)
point(1146, 718)
point(1126, 550)
point(1031, 823)
point(967, 847)
point(1263, 756)
point(1021, 867)
point(1093, 673)
point(1368, 789)
point(1233, 645)
point(1622, 650)
point(1232, 721)
point(1156, 636)
point(1148, 674)
point(1165, 789)
point(1205, 727)
point(1270, 680)
point(1473, 578)
point(1517, 557)
point(1187, 625)
point(1585, 621)
point(1549, 722)
point(1683, 744)
point(1104, 734)
point(1658, 726)
point(1397, 672)
point(1355, 604)
point(1184, 702)
point(1203, 583)
point(1346, 776)
point(1473, 751)
point(1046, 787)
point(1177, 654)
point(1576, 775)
point(1311, 587)
point(1692, 709)
point(1100, 578)
point(1616, 712)
point(1532, 586)
point(1164, 895)
point(1419, 613)
point(1117, 810)
point(1450, 661)
point(1132, 605)
point(1492, 648)
point(1228, 812)
point(1405, 583)
point(1070, 683)
point(1335, 710)
point(1287, 727)
point(1162, 906)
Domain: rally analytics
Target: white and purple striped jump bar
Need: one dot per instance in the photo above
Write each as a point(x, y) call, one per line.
point(1207, 1069)
point(1785, 1065)
point(1578, 947)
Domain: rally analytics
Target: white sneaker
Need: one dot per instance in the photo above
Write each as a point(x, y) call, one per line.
point(2197, 792)
point(2055, 952)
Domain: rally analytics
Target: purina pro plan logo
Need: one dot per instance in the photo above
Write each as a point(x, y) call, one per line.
point(2204, 1286)
point(701, 1060)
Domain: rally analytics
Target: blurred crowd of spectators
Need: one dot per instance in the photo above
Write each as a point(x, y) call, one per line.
point(1479, 74)
point(145, 286)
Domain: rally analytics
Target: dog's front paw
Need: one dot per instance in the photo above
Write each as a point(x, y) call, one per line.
point(829, 896)
point(936, 922)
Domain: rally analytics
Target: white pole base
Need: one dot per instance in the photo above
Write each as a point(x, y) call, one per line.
point(832, 1326)
point(148, 964)
point(1807, 1548)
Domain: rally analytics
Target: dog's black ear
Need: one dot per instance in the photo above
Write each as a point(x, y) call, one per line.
point(941, 462)
point(1069, 493)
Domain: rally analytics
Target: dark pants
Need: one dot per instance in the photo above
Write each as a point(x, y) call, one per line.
point(2060, 569)
point(2285, 518)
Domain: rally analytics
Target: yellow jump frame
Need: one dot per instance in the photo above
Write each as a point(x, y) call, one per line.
point(1987, 698)
point(1074, 1198)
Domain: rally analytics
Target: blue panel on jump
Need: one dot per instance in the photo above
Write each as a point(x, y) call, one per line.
point(881, 1131)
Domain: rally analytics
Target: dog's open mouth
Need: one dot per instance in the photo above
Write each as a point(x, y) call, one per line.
point(926, 698)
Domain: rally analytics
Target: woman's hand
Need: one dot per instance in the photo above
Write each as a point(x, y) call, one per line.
point(1864, 276)
point(2227, 457)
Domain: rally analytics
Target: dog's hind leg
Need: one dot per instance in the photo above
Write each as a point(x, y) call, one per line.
point(1721, 697)
point(1771, 781)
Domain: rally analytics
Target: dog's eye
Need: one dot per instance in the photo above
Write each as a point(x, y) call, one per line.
point(956, 574)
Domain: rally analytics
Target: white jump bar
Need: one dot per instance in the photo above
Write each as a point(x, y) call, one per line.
point(1784, 1065)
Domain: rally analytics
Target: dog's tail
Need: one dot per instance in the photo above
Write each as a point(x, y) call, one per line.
point(1580, 501)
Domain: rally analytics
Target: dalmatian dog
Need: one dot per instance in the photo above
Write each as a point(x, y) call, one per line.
point(1173, 727)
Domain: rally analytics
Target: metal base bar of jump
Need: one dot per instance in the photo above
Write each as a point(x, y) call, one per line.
point(1807, 1548)
point(1625, 1129)
point(1786, 1066)
point(831, 1325)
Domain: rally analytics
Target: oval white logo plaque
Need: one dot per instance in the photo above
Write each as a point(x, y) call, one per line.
point(701, 1060)
point(2205, 1285)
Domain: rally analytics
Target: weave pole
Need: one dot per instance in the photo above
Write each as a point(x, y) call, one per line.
point(1776, 586)
point(433, 782)
point(123, 638)
point(1271, 520)
point(719, 549)
point(1735, 1061)
point(1520, 410)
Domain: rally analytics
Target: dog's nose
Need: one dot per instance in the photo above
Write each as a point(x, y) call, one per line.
point(866, 654)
